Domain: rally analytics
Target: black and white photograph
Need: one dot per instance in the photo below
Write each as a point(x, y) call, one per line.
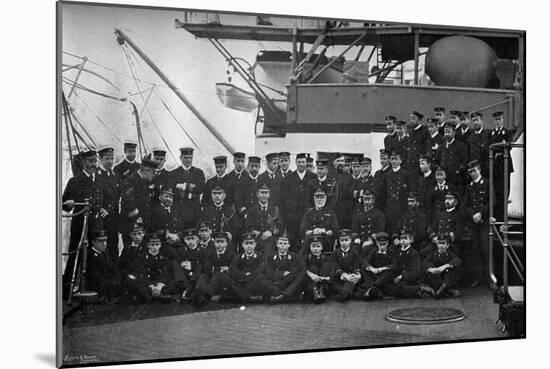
point(240, 183)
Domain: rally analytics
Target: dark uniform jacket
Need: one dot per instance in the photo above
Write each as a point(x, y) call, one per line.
point(273, 181)
point(415, 221)
point(496, 136)
point(128, 256)
point(221, 218)
point(403, 145)
point(102, 275)
point(329, 185)
point(376, 259)
point(212, 262)
point(224, 182)
point(437, 259)
point(389, 141)
point(453, 158)
point(396, 187)
point(136, 194)
point(261, 221)
point(151, 269)
point(160, 181)
point(205, 246)
point(278, 264)
point(319, 218)
point(110, 182)
point(294, 200)
point(425, 187)
point(365, 223)
point(246, 193)
point(344, 205)
point(462, 133)
point(235, 183)
point(345, 262)
point(360, 185)
point(165, 219)
point(242, 264)
point(195, 256)
point(320, 265)
point(446, 222)
point(437, 197)
point(379, 176)
point(125, 168)
point(79, 188)
point(418, 137)
point(408, 263)
point(187, 199)
point(476, 200)
point(433, 143)
point(478, 147)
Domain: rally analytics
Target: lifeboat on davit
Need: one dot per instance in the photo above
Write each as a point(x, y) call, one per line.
point(272, 70)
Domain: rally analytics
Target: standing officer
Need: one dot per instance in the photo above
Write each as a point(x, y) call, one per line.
point(397, 184)
point(344, 204)
point(284, 164)
point(413, 220)
point(426, 183)
point(219, 214)
point(462, 129)
point(310, 165)
point(324, 182)
point(246, 197)
point(265, 218)
point(294, 203)
point(136, 198)
point(391, 137)
point(478, 144)
point(188, 182)
point(81, 187)
point(435, 139)
point(499, 135)
point(236, 178)
point(418, 137)
point(439, 114)
point(128, 165)
point(221, 180)
point(161, 173)
point(452, 156)
point(379, 175)
point(403, 143)
point(271, 177)
point(111, 189)
point(476, 209)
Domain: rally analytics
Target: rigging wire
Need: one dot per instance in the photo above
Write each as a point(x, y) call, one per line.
point(98, 118)
point(87, 89)
point(171, 114)
point(132, 70)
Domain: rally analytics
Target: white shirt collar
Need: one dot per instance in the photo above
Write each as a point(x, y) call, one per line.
point(417, 127)
point(453, 140)
point(301, 175)
point(396, 170)
point(128, 161)
point(435, 134)
point(451, 209)
point(427, 174)
point(186, 168)
point(254, 178)
point(322, 179)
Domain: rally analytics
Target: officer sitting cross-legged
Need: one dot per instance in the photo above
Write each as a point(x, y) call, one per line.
point(319, 271)
point(379, 268)
point(440, 268)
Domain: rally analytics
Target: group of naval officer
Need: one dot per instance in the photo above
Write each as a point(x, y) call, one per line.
point(334, 228)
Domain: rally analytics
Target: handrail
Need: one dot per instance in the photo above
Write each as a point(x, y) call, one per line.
point(509, 253)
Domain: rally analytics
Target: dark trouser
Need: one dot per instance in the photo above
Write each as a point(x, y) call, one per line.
point(436, 280)
point(259, 286)
point(293, 220)
point(291, 283)
point(344, 213)
point(190, 211)
point(394, 209)
point(221, 283)
point(140, 287)
point(479, 252)
point(403, 289)
point(309, 286)
point(183, 280)
point(345, 288)
point(266, 247)
point(111, 226)
point(380, 281)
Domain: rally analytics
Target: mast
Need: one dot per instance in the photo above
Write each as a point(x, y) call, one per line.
point(122, 38)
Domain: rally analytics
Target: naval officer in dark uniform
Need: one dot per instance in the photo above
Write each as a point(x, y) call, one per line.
point(129, 164)
point(499, 135)
point(188, 182)
point(160, 180)
point(221, 179)
point(245, 197)
point(111, 187)
point(83, 186)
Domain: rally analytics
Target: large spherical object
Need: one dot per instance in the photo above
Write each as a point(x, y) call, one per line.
point(460, 61)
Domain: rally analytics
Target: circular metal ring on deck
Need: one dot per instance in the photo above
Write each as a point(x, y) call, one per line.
point(425, 315)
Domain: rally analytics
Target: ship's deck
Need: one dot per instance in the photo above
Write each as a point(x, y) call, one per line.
point(164, 331)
